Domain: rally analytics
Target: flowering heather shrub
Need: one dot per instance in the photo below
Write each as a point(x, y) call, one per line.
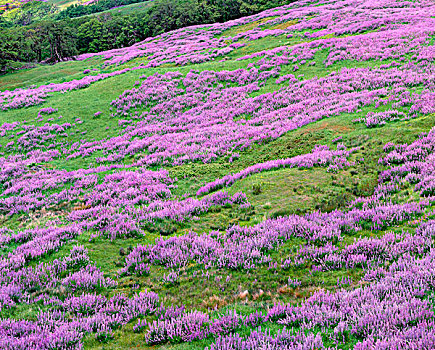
point(140, 326)
point(285, 340)
point(247, 247)
point(38, 242)
point(374, 119)
point(227, 323)
point(93, 313)
point(88, 278)
point(188, 327)
point(86, 304)
point(117, 217)
point(55, 289)
point(165, 313)
point(48, 110)
point(172, 121)
point(170, 278)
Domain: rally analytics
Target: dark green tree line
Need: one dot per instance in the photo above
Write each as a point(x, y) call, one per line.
point(55, 40)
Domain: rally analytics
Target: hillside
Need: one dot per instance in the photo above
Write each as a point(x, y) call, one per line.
point(39, 32)
point(129, 9)
point(30, 12)
point(11, 8)
point(263, 183)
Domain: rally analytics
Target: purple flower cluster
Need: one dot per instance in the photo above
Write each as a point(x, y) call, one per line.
point(180, 117)
point(121, 218)
point(374, 119)
point(387, 311)
point(247, 247)
point(213, 118)
point(285, 340)
point(76, 316)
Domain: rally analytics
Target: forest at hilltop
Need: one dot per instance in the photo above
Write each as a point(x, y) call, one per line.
point(39, 32)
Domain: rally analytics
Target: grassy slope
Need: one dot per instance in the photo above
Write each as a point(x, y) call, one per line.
point(128, 9)
point(283, 191)
point(62, 4)
point(15, 4)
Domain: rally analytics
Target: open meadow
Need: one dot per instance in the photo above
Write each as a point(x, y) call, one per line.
point(263, 183)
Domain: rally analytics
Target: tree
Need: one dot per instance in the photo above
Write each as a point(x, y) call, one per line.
point(163, 17)
point(8, 50)
point(60, 40)
point(32, 12)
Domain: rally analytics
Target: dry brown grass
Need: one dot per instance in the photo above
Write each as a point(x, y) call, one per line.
point(284, 25)
point(245, 27)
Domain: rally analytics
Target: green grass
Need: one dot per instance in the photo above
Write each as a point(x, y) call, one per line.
point(43, 74)
point(62, 4)
point(127, 9)
point(282, 192)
